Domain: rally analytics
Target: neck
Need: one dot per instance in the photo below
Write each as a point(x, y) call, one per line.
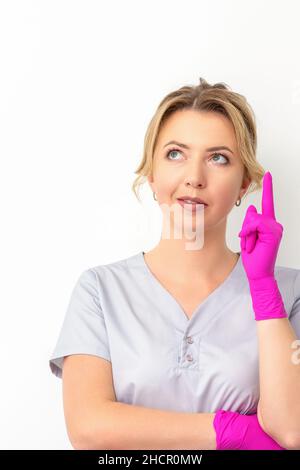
point(185, 265)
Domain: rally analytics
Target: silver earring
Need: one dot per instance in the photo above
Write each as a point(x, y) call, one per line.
point(238, 204)
point(154, 197)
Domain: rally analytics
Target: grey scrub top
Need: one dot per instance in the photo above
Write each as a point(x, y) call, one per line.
point(160, 358)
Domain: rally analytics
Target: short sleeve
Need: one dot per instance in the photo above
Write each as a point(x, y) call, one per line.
point(294, 316)
point(83, 330)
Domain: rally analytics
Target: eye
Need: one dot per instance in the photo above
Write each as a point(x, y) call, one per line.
point(221, 155)
point(172, 150)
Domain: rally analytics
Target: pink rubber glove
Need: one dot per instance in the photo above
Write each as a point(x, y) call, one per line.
point(235, 431)
point(260, 238)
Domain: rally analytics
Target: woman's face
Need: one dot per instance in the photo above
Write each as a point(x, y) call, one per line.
point(214, 176)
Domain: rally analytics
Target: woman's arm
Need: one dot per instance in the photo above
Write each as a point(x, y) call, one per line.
point(279, 382)
point(96, 420)
point(125, 426)
point(279, 405)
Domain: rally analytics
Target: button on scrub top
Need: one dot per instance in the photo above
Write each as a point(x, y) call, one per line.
point(160, 358)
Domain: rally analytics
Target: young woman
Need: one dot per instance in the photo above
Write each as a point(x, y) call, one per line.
point(188, 346)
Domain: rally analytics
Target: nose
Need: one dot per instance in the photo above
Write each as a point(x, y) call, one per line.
point(193, 182)
point(194, 179)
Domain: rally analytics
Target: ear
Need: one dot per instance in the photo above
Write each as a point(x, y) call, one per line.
point(150, 181)
point(245, 186)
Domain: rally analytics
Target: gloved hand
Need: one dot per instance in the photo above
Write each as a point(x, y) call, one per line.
point(260, 238)
point(235, 431)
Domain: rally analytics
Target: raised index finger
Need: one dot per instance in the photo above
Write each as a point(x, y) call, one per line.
point(267, 205)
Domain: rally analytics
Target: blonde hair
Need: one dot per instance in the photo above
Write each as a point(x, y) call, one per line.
point(206, 97)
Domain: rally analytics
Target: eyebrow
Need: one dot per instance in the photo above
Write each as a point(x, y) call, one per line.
point(210, 149)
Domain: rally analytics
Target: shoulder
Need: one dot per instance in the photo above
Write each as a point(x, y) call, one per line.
point(119, 266)
point(286, 274)
point(288, 280)
point(109, 275)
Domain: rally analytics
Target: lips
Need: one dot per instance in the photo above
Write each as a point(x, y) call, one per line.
point(191, 207)
point(192, 199)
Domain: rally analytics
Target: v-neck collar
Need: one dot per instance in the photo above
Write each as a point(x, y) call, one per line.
point(214, 301)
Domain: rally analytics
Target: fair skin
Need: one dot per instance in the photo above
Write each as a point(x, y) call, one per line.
point(199, 173)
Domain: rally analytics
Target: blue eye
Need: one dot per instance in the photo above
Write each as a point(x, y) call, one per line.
point(172, 150)
point(220, 154)
point(213, 157)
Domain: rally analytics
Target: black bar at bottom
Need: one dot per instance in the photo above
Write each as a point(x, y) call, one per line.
point(135, 458)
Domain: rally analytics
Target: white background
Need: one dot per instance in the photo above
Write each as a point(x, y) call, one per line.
point(79, 83)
